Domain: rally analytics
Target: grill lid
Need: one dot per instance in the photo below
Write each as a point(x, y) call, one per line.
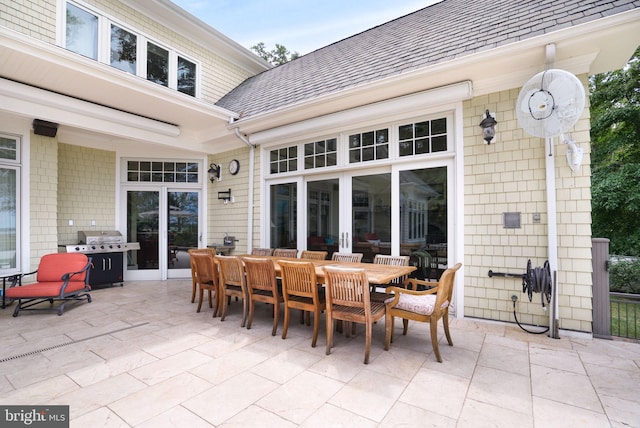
point(99, 237)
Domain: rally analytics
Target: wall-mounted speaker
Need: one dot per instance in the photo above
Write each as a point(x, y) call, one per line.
point(44, 128)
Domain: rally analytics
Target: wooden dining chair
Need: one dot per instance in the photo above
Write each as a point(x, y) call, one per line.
point(232, 284)
point(194, 284)
point(262, 251)
point(347, 257)
point(313, 255)
point(205, 271)
point(262, 287)
point(423, 306)
point(383, 259)
point(300, 290)
point(348, 300)
point(286, 252)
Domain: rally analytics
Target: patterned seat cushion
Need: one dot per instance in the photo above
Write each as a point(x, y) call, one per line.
point(422, 305)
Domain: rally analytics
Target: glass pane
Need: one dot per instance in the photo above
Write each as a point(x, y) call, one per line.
point(123, 49)
point(323, 212)
point(423, 220)
point(157, 64)
point(82, 32)
point(405, 132)
point(182, 227)
point(439, 126)
point(142, 227)
point(8, 213)
point(283, 215)
point(186, 77)
point(439, 144)
point(371, 227)
point(8, 148)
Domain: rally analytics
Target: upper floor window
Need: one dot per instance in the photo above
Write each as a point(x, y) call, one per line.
point(124, 50)
point(82, 32)
point(98, 37)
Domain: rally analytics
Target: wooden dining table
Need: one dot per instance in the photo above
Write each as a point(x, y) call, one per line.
point(377, 274)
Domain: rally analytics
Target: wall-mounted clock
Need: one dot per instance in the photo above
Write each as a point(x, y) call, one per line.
point(234, 166)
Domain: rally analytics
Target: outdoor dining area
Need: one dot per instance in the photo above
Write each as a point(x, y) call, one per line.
point(346, 290)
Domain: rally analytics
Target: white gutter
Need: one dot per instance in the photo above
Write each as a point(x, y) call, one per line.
point(251, 190)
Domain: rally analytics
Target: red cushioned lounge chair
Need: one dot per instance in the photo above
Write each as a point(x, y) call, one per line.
point(60, 277)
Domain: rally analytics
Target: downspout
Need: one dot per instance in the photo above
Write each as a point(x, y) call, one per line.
point(552, 230)
point(252, 151)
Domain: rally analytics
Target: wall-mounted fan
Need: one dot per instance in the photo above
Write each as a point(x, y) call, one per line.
point(549, 104)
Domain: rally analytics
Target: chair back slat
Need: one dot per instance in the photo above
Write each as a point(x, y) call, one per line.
point(445, 286)
point(347, 287)
point(285, 252)
point(231, 270)
point(347, 257)
point(299, 278)
point(261, 275)
point(314, 255)
point(262, 252)
point(204, 268)
point(383, 259)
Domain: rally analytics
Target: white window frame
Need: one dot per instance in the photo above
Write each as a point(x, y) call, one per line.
point(104, 45)
point(16, 165)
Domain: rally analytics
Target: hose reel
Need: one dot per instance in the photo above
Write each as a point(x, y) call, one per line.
point(538, 280)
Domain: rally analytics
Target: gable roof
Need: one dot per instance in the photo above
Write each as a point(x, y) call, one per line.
point(436, 34)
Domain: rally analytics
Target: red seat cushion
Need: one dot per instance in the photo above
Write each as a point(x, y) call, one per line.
point(43, 289)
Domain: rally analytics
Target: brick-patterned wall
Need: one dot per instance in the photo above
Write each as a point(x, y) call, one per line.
point(509, 176)
point(86, 191)
point(36, 18)
point(43, 197)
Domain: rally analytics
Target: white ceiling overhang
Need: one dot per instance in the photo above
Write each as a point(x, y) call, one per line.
point(43, 81)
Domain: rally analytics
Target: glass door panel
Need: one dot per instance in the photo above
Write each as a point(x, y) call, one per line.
point(182, 228)
point(323, 214)
point(423, 219)
point(284, 219)
point(371, 219)
point(143, 226)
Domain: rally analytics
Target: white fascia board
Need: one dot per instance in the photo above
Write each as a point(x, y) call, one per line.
point(377, 111)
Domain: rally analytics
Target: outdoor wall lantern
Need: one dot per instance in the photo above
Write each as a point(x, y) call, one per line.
point(488, 126)
point(214, 172)
point(225, 196)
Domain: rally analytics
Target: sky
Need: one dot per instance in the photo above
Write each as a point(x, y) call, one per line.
point(299, 25)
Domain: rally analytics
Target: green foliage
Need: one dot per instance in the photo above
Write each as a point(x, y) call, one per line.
point(624, 277)
point(277, 56)
point(615, 137)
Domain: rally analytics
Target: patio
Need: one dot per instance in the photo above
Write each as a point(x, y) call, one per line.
point(141, 356)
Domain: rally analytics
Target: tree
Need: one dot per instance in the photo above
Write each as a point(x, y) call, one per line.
point(277, 56)
point(615, 137)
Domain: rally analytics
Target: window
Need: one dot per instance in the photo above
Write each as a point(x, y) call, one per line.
point(186, 77)
point(123, 49)
point(9, 203)
point(86, 31)
point(368, 146)
point(320, 154)
point(162, 172)
point(423, 137)
point(82, 32)
point(283, 160)
point(157, 64)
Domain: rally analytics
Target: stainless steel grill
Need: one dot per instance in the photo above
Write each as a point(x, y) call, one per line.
point(101, 241)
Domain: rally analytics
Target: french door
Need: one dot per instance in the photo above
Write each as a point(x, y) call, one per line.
point(395, 211)
point(165, 221)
